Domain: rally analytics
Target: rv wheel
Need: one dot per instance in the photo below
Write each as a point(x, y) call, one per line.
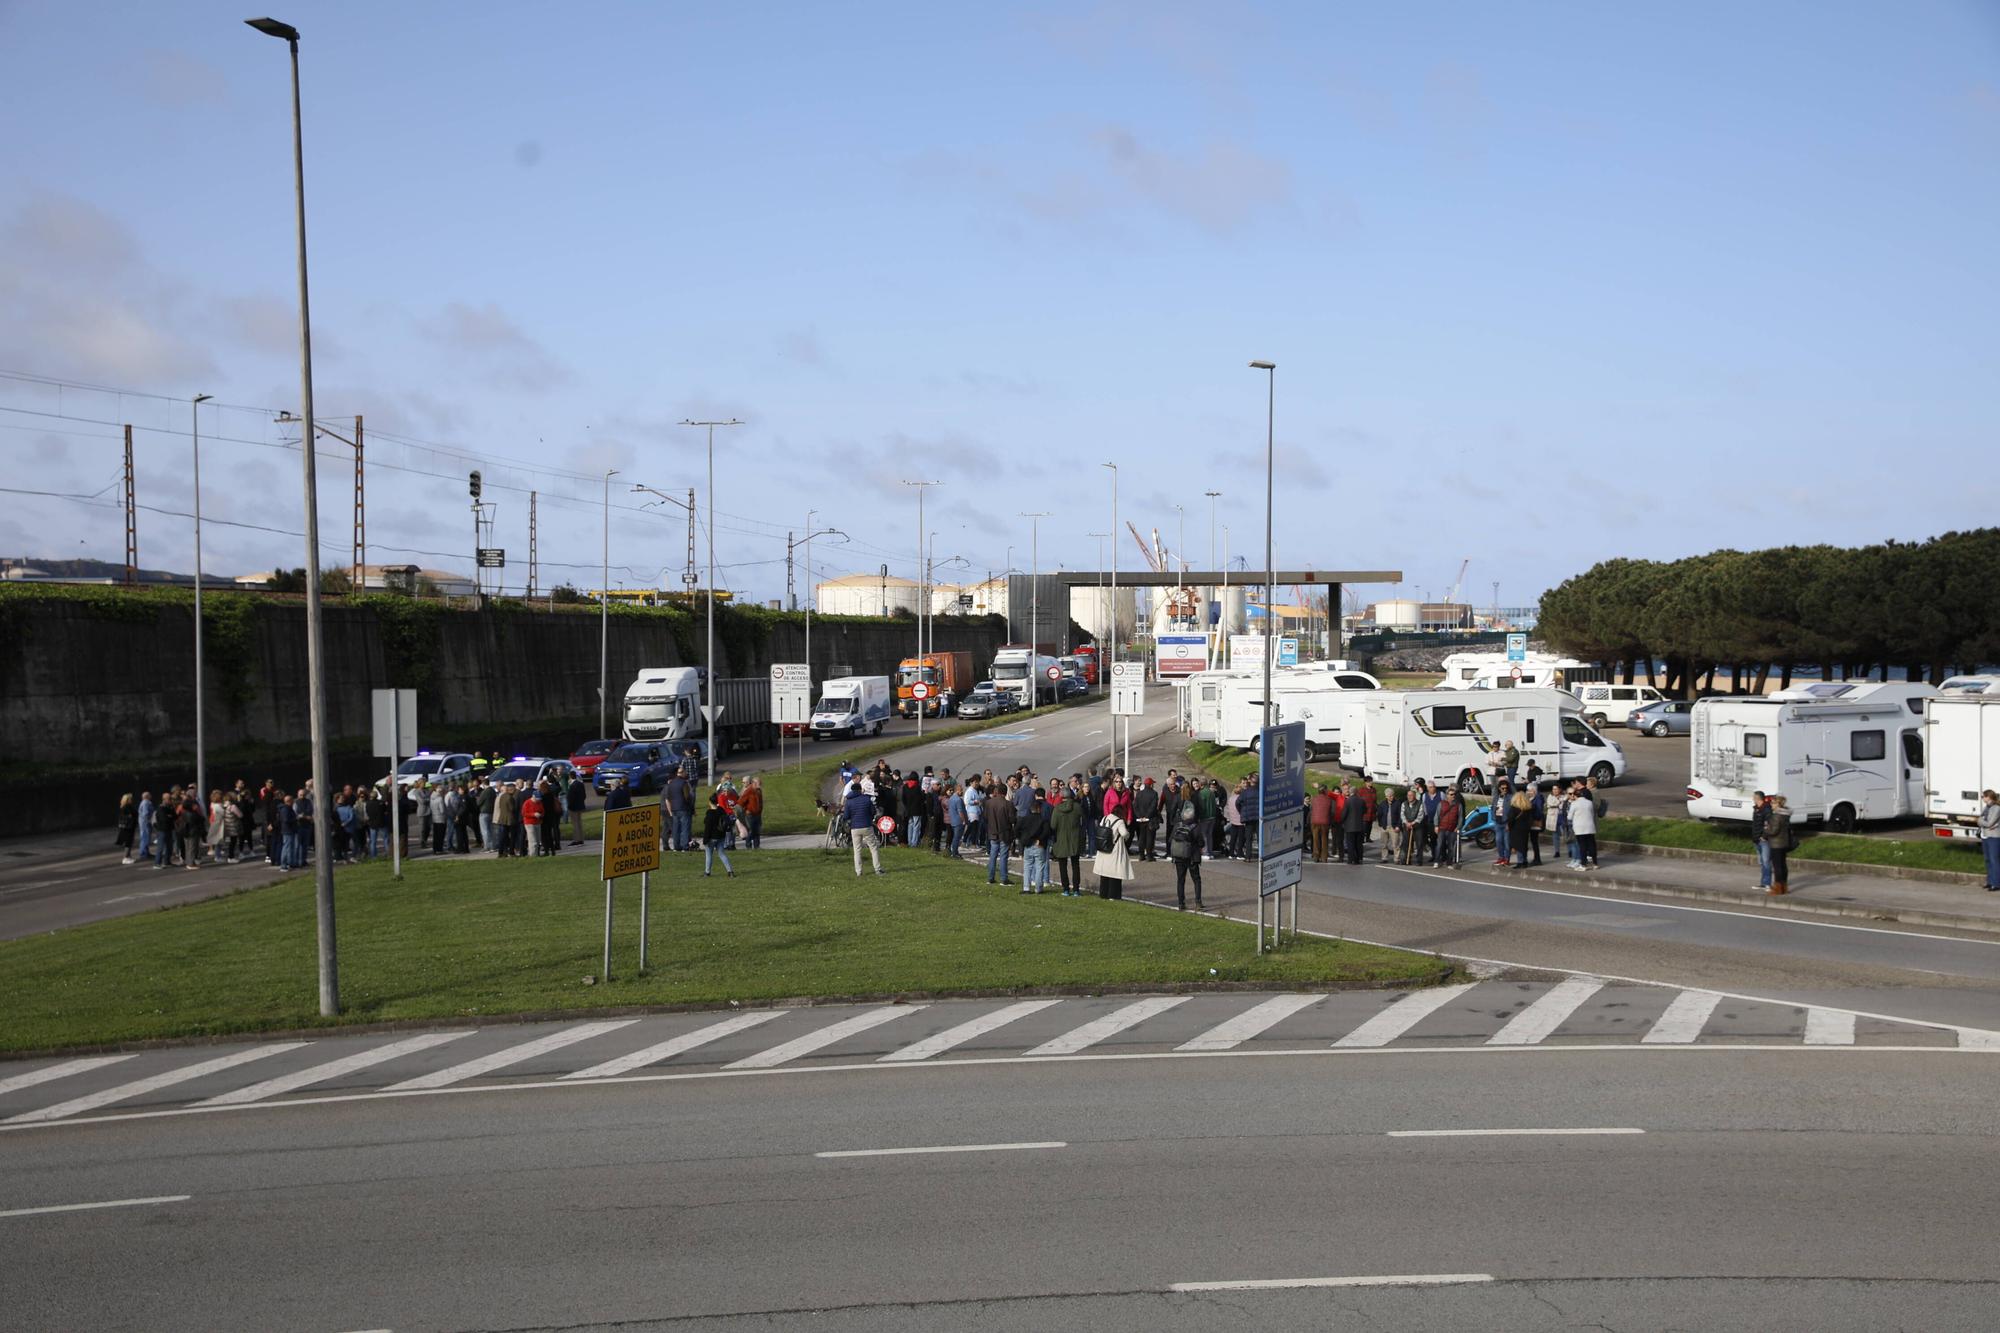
point(1469, 783)
point(1603, 774)
point(1312, 753)
point(1841, 818)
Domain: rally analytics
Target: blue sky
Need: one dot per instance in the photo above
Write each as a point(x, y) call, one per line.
point(1546, 283)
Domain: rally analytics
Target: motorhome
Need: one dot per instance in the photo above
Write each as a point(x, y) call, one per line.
point(1493, 671)
point(1023, 671)
point(1295, 695)
point(851, 706)
point(1336, 722)
point(1840, 752)
point(1445, 735)
point(1201, 696)
point(1962, 744)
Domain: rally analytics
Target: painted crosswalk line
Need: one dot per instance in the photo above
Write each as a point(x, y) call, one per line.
point(1829, 1027)
point(687, 1041)
point(952, 1037)
point(1235, 1031)
point(1404, 1014)
point(332, 1069)
point(1547, 1013)
point(1082, 1038)
point(823, 1038)
point(34, 1078)
point(1684, 1019)
point(139, 1087)
point(513, 1055)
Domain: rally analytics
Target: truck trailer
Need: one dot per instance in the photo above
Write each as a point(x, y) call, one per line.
point(946, 678)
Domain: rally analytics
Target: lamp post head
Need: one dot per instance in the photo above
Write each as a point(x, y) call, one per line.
point(284, 32)
point(1263, 365)
point(203, 397)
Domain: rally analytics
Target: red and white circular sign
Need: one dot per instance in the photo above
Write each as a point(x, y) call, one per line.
point(885, 826)
point(1055, 673)
point(1515, 673)
point(920, 691)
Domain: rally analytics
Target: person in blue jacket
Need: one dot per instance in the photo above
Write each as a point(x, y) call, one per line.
point(859, 809)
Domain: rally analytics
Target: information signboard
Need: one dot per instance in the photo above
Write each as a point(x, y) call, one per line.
point(1180, 654)
point(1128, 689)
point(492, 557)
point(631, 841)
point(1288, 651)
point(1517, 647)
point(791, 693)
point(1281, 795)
point(1246, 650)
point(395, 723)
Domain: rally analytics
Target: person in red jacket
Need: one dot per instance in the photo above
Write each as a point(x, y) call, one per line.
point(1118, 798)
point(1321, 818)
point(531, 816)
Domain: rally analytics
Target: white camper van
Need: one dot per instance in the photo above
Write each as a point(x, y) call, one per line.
point(1837, 751)
point(1492, 671)
point(1336, 722)
point(849, 706)
point(1962, 742)
point(1204, 701)
point(1445, 735)
point(1242, 704)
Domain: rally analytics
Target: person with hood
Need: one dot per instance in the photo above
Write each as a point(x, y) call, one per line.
point(1145, 818)
point(1066, 840)
point(1184, 850)
point(1113, 862)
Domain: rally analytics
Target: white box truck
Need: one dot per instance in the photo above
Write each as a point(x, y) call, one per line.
point(1838, 751)
point(851, 705)
point(1444, 735)
point(1962, 747)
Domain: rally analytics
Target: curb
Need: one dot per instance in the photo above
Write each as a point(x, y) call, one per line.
point(1801, 907)
point(1916, 873)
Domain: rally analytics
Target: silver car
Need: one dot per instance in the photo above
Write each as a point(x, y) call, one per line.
point(1669, 717)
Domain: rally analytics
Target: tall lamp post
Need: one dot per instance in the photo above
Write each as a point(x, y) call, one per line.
point(922, 594)
point(200, 734)
point(1034, 603)
point(329, 969)
point(1270, 370)
point(604, 614)
point(1113, 617)
point(1215, 649)
point(1103, 671)
point(709, 710)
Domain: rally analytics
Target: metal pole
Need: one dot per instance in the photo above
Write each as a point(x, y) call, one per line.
point(645, 911)
point(395, 788)
point(1035, 604)
point(604, 616)
point(1114, 606)
point(329, 970)
point(922, 593)
point(1214, 656)
point(1270, 614)
point(809, 607)
point(607, 929)
point(200, 731)
point(710, 708)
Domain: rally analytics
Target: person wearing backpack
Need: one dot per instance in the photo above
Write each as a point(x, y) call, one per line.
point(1184, 850)
point(1113, 862)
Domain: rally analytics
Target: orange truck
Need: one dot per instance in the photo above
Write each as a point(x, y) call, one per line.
point(946, 678)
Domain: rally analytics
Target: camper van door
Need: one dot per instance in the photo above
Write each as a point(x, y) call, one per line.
point(1911, 789)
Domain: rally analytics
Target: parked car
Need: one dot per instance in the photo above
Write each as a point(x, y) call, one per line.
point(531, 770)
point(1669, 717)
point(590, 754)
point(985, 701)
point(1603, 700)
point(645, 766)
point(432, 767)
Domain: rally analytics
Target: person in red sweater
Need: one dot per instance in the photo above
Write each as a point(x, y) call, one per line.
point(531, 816)
point(1118, 798)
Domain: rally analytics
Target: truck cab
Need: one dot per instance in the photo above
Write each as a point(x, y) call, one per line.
point(663, 703)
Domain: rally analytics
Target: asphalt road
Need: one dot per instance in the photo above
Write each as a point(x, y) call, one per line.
point(1768, 1190)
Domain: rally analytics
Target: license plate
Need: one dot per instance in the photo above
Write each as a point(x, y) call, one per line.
point(1732, 805)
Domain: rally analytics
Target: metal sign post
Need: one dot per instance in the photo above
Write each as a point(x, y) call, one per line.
point(395, 733)
point(1281, 796)
point(791, 702)
point(1128, 699)
point(631, 847)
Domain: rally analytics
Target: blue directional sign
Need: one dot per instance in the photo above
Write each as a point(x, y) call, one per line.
point(1281, 798)
point(1288, 652)
point(1517, 647)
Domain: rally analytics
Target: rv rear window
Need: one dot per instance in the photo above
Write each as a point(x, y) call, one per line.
point(1448, 717)
point(1868, 745)
point(1756, 744)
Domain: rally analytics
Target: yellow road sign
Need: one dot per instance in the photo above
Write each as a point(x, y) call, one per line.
point(631, 841)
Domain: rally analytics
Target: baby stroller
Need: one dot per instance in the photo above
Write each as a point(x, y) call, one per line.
point(837, 833)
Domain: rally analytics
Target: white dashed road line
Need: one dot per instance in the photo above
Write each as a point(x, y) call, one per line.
point(91, 1207)
point(957, 1147)
point(1502, 1133)
point(1383, 1280)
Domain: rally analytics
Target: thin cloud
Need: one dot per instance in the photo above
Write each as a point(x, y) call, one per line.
point(485, 337)
point(177, 80)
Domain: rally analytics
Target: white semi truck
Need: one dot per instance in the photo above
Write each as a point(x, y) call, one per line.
point(665, 703)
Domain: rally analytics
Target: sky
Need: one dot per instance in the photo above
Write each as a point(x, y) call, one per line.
point(1545, 283)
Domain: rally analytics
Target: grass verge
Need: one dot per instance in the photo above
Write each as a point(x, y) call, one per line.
point(462, 939)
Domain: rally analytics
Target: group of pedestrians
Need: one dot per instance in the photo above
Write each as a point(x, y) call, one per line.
point(733, 817)
point(1052, 825)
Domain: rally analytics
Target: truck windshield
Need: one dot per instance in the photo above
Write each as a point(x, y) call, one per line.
point(843, 704)
point(656, 712)
point(1010, 671)
point(911, 675)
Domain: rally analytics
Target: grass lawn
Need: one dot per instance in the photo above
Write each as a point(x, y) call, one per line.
point(461, 939)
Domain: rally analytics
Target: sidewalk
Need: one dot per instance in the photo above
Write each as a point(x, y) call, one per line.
point(1815, 891)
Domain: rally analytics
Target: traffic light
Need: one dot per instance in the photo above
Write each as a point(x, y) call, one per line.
point(475, 485)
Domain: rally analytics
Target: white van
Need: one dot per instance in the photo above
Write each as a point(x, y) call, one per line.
point(1603, 704)
point(1493, 671)
point(1838, 751)
point(1445, 735)
point(1962, 743)
point(1241, 702)
point(850, 705)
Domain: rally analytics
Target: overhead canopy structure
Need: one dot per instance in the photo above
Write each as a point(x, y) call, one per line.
point(1236, 578)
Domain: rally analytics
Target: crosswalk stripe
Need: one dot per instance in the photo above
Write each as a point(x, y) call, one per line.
point(964, 1032)
point(1077, 1039)
point(1978, 1039)
point(305, 1078)
point(826, 1036)
point(1235, 1031)
point(1684, 1018)
point(1829, 1027)
point(50, 1073)
point(1546, 1014)
point(667, 1050)
point(513, 1055)
point(138, 1088)
point(1403, 1015)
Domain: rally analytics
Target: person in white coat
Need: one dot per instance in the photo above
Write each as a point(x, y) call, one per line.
point(1113, 862)
point(1583, 823)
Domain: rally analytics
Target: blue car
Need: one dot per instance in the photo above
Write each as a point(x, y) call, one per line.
point(644, 765)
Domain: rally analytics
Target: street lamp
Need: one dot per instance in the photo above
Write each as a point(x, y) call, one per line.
point(1215, 647)
point(709, 709)
point(200, 734)
point(922, 594)
point(1270, 369)
point(1103, 678)
point(1034, 604)
point(329, 969)
point(604, 614)
point(1114, 604)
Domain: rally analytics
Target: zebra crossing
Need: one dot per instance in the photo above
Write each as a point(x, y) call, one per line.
point(1493, 1015)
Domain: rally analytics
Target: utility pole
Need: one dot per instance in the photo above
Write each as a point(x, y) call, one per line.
point(604, 615)
point(1114, 605)
point(1215, 648)
point(791, 589)
point(710, 709)
point(360, 511)
point(200, 728)
point(531, 546)
point(131, 517)
point(1103, 671)
point(1035, 604)
point(922, 487)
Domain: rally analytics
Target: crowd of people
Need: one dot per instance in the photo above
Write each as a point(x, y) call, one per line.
point(1426, 822)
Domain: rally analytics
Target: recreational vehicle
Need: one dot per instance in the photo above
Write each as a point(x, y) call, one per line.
point(1241, 703)
point(1445, 735)
point(1962, 742)
point(1839, 752)
point(1331, 716)
point(1493, 671)
point(1203, 707)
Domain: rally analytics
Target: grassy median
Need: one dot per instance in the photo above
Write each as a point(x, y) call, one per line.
point(473, 938)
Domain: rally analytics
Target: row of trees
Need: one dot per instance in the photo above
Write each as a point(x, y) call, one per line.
point(1930, 609)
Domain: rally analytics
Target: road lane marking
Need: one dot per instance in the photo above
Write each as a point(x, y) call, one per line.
point(826, 1036)
point(667, 1050)
point(1969, 1039)
point(1547, 1013)
point(964, 1032)
point(1684, 1018)
point(1829, 1027)
point(956, 1147)
point(1077, 1039)
point(305, 1078)
point(1237, 1030)
point(1382, 1280)
point(1403, 1015)
point(513, 1055)
point(124, 1091)
point(50, 1073)
point(88, 1207)
point(1503, 1133)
